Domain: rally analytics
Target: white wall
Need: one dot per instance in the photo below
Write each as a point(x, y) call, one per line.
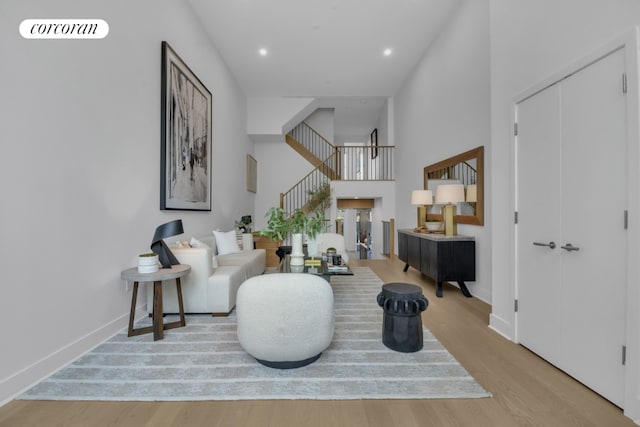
point(80, 126)
point(322, 121)
point(384, 207)
point(530, 41)
point(442, 110)
point(268, 118)
point(280, 167)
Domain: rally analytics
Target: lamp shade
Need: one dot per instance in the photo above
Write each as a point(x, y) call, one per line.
point(421, 197)
point(449, 193)
point(166, 257)
point(472, 193)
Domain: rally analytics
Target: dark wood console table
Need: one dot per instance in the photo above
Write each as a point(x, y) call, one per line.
point(442, 258)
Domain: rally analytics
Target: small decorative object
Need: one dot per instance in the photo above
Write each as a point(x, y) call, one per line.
point(434, 226)
point(147, 263)
point(312, 262)
point(331, 252)
point(173, 228)
point(245, 223)
point(337, 260)
point(185, 137)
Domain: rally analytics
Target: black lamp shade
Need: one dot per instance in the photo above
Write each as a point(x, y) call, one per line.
point(158, 246)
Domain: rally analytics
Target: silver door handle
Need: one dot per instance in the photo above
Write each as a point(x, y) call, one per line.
point(569, 247)
point(550, 245)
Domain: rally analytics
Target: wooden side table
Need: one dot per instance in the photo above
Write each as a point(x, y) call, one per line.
point(158, 328)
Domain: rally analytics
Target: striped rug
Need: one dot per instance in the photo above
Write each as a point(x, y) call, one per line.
point(204, 361)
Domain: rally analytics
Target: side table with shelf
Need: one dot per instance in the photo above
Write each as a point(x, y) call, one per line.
point(158, 328)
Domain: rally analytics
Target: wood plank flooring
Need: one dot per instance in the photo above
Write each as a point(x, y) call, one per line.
point(527, 391)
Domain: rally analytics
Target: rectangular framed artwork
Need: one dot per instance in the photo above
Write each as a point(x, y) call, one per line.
point(185, 181)
point(374, 143)
point(252, 174)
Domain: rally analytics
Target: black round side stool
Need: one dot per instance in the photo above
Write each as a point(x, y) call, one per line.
point(402, 324)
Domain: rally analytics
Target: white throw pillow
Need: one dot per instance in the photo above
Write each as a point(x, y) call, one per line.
point(226, 242)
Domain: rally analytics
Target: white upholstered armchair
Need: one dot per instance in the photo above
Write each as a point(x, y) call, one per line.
point(333, 240)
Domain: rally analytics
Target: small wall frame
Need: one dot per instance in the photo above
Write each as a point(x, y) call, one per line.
point(252, 174)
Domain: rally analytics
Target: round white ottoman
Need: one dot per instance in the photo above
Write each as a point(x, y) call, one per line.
point(285, 320)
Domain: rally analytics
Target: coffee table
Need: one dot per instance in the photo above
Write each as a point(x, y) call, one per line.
point(322, 270)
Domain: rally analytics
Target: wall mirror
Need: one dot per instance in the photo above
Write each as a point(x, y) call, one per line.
point(467, 169)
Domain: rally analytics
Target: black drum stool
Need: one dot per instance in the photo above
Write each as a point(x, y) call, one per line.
point(402, 324)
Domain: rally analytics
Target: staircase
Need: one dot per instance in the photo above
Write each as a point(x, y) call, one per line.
point(332, 163)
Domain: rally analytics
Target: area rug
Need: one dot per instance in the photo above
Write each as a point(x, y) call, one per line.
point(204, 361)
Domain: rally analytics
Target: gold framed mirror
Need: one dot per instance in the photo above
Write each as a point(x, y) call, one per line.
point(468, 169)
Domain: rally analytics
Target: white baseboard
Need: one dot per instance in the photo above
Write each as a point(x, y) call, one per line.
point(500, 326)
point(16, 384)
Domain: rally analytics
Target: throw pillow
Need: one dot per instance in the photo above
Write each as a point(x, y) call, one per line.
point(226, 242)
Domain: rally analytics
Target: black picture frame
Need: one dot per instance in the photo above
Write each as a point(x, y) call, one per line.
point(374, 143)
point(186, 137)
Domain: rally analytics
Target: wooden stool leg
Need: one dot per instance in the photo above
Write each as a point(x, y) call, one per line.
point(158, 329)
point(132, 315)
point(180, 305)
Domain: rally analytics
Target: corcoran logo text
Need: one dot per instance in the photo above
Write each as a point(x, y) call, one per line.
point(64, 29)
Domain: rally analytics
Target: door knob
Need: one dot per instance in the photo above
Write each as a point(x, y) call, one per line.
point(550, 245)
point(569, 247)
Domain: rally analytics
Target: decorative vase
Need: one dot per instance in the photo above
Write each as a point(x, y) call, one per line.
point(148, 263)
point(297, 256)
point(312, 247)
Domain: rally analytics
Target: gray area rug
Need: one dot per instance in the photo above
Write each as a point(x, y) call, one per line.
point(204, 361)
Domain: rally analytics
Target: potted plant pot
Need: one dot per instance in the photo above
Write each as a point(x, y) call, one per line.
point(147, 263)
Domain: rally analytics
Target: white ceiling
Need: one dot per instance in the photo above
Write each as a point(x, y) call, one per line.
point(323, 48)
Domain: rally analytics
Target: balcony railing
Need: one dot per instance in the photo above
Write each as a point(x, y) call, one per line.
point(365, 163)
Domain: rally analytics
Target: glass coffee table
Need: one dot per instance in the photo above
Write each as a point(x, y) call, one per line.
point(324, 270)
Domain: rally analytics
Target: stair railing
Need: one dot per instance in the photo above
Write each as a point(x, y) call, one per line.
point(312, 141)
point(298, 196)
point(463, 172)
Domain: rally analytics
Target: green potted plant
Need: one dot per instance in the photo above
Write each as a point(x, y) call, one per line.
point(319, 199)
point(279, 226)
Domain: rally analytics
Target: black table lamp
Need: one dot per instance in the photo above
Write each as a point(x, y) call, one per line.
point(158, 246)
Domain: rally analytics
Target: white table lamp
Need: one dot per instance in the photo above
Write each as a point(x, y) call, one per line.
point(448, 195)
point(422, 198)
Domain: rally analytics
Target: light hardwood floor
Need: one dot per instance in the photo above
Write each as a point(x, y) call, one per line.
point(527, 391)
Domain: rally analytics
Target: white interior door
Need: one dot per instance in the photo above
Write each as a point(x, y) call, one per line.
point(594, 190)
point(571, 172)
point(539, 201)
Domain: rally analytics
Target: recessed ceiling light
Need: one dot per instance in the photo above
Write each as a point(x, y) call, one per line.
point(263, 52)
point(387, 52)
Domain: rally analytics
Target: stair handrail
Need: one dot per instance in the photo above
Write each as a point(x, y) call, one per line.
point(298, 196)
point(312, 140)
